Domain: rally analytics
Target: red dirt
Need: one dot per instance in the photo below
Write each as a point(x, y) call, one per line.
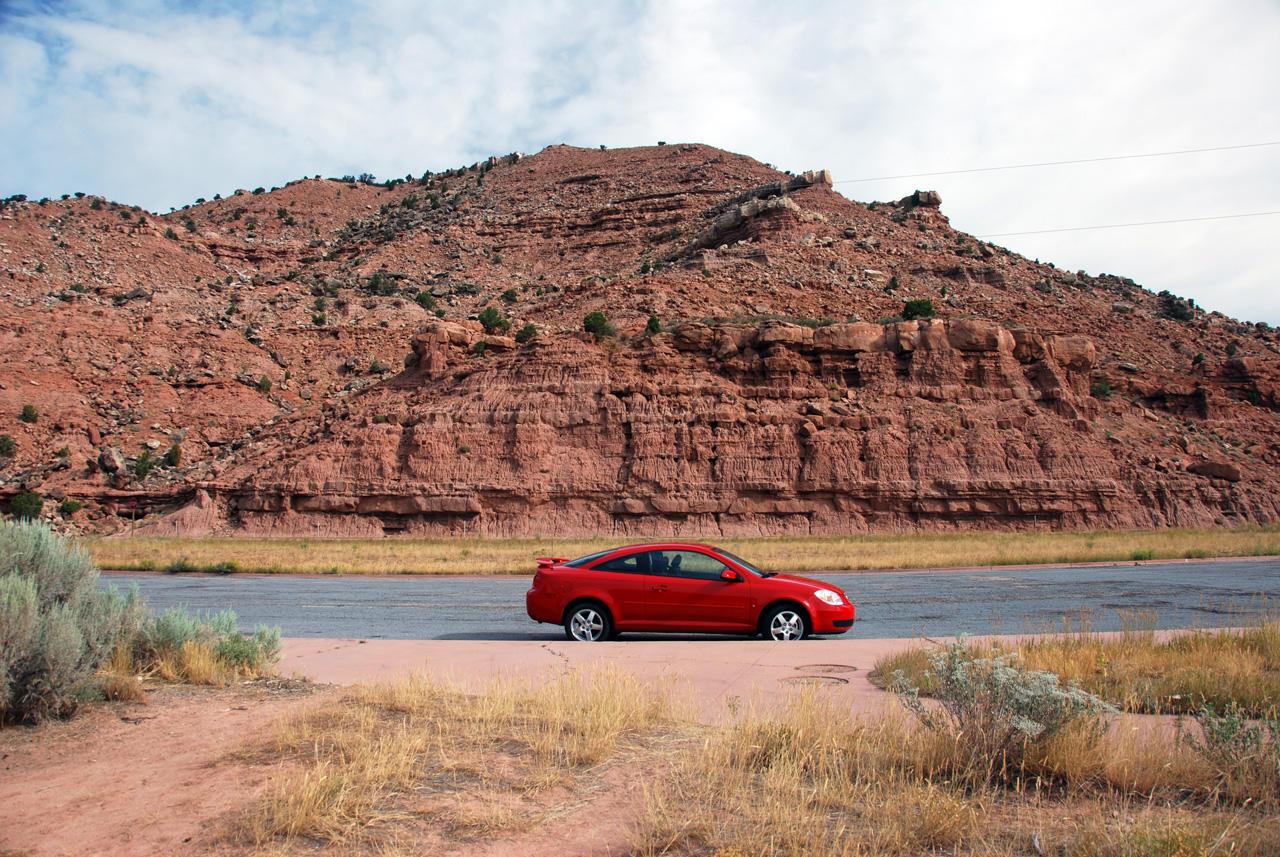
point(129, 779)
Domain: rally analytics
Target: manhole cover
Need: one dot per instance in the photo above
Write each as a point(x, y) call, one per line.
point(826, 669)
point(815, 680)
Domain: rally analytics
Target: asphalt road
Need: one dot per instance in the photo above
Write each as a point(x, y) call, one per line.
point(895, 604)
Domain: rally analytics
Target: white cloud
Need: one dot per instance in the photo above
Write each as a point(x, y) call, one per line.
point(160, 103)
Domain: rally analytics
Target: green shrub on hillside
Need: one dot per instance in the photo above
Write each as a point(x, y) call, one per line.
point(27, 505)
point(917, 308)
point(595, 323)
point(493, 320)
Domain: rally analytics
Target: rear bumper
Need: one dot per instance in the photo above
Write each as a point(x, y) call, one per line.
point(542, 605)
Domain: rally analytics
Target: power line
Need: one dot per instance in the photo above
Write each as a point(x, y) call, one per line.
point(1060, 163)
point(1124, 225)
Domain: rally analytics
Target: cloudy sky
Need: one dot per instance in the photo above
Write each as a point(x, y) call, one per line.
point(157, 103)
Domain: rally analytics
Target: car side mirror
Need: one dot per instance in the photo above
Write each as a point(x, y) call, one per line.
point(731, 576)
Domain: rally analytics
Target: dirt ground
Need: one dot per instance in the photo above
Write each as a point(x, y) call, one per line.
point(128, 778)
point(165, 777)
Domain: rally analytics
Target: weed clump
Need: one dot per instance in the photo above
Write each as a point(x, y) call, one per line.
point(202, 648)
point(1243, 752)
point(993, 712)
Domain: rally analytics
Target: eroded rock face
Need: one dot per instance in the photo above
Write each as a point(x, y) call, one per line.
point(314, 353)
point(931, 425)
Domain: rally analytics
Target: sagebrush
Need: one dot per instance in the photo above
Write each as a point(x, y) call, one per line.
point(56, 627)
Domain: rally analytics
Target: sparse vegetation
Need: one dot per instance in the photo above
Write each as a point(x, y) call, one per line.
point(1100, 390)
point(492, 756)
point(653, 326)
point(70, 506)
point(7, 446)
point(264, 384)
point(29, 414)
point(526, 333)
point(512, 556)
point(1139, 672)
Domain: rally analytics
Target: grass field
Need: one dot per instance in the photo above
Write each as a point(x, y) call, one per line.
point(819, 553)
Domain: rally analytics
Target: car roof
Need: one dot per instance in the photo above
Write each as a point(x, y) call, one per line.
point(668, 546)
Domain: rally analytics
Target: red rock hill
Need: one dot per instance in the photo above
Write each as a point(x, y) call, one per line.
point(309, 361)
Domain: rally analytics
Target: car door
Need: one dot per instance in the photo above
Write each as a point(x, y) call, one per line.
point(623, 578)
point(685, 591)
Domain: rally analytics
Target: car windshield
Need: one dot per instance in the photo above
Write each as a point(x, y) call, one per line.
point(584, 560)
point(742, 562)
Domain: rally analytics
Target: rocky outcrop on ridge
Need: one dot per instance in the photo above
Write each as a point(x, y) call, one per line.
point(308, 360)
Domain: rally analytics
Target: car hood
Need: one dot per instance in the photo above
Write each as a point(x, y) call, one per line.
point(807, 581)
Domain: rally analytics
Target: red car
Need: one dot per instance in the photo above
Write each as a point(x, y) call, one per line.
point(681, 587)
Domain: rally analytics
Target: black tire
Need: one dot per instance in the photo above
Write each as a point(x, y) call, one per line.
point(784, 622)
point(588, 622)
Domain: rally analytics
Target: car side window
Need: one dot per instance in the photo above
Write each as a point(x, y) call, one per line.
point(636, 563)
point(686, 564)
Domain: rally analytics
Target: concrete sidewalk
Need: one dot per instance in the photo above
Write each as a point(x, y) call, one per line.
point(714, 674)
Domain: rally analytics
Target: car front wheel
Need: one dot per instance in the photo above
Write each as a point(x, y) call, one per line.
point(589, 623)
point(785, 623)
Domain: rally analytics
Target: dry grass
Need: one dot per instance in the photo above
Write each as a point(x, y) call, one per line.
point(196, 662)
point(419, 766)
point(515, 556)
point(1140, 671)
point(389, 759)
point(118, 680)
point(811, 781)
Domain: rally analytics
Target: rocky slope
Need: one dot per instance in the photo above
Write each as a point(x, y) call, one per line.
point(311, 358)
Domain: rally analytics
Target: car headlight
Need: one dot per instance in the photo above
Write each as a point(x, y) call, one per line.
point(832, 598)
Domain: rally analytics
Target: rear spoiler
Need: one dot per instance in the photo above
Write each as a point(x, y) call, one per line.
point(548, 561)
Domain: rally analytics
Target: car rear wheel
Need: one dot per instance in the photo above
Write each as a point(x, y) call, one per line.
point(588, 622)
point(784, 623)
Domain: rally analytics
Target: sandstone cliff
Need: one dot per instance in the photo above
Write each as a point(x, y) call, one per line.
point(313, 354)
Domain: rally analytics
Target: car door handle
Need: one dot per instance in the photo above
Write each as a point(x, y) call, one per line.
point(662, 588)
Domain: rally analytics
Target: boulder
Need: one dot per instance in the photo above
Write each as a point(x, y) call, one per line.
point(974, 334)
point(1217, 470)
point(1076, 353)
point(110, 459)
point(693, 336)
